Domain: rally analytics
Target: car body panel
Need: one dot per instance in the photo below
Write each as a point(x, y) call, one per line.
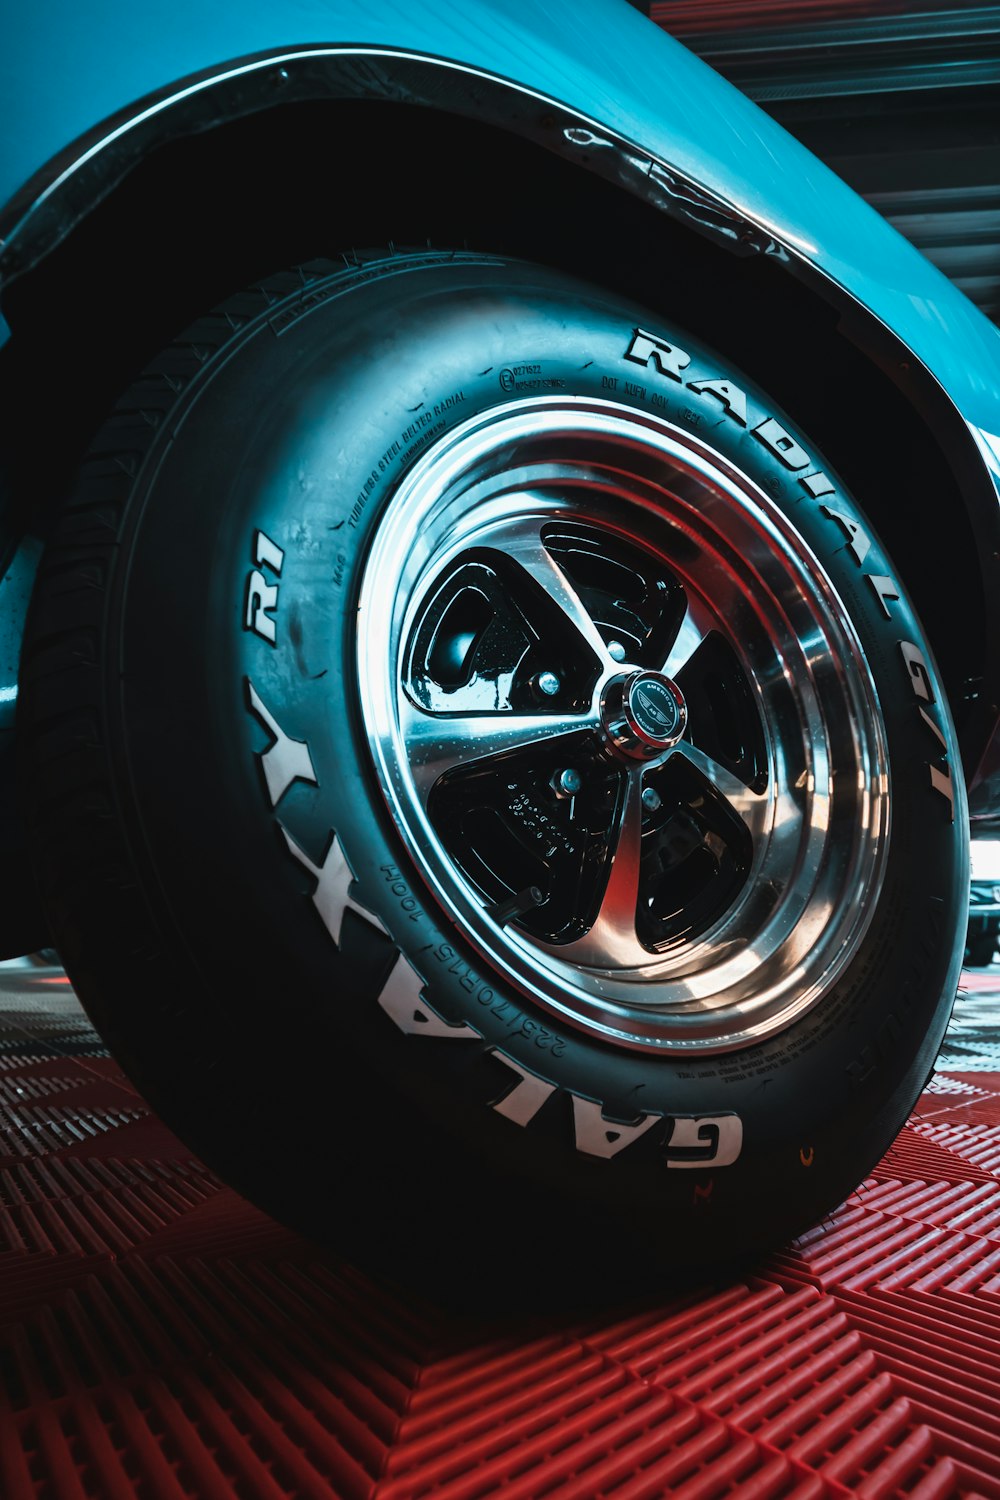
point(65, 68)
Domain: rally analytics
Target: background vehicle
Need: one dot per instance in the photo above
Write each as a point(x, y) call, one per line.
point(984, 903)
point(492, 694)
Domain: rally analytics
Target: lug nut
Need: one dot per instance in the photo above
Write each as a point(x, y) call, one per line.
point(651, 799)
point(616, 651)
point(548, 683)
point(570, 781)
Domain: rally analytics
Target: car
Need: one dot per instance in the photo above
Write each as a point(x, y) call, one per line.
point(503, 560)
point(984, 902)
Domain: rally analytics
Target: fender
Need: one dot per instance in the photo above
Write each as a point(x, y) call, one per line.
point(115, 83)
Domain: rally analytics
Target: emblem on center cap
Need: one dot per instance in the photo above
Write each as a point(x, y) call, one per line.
point(654, 708)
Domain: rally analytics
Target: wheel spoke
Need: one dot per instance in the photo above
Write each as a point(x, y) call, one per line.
point(753, 807)
point(523, 543)
point(439, 743)
point(689, 638)
point(611, 941)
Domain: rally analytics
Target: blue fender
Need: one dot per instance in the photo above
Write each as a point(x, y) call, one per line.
point(65, 69)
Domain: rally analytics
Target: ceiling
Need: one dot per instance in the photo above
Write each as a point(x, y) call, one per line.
point(901, 99)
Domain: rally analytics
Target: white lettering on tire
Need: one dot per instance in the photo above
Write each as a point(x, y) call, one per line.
point(666, 357)
point(734, 401)
point(817, 484)
point(401, 1000)
point(267, 553)
point(705, 1141)
point(857, 538)
point(262, 596)
point(400, 996)
point(332, 895)
point(919, 678)
point(916, 670)
point(522, 1103)
point(286, 760)
point(692, 1141)
point(596, 1135)
point(885, 589)
point(781, 444)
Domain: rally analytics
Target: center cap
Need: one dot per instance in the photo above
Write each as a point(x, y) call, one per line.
point(643, 713)
point(651, 706)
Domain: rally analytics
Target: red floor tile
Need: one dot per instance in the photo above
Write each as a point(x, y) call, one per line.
point(160, 1337)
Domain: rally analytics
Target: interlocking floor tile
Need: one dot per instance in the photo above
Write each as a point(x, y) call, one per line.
point(160, 1337)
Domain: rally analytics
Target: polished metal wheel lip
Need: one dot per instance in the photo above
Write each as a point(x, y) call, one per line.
point(819, 840)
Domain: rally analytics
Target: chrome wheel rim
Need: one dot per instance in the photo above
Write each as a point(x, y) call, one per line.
point(731, 738)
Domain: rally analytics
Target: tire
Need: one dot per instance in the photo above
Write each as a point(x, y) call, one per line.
point(342, 686)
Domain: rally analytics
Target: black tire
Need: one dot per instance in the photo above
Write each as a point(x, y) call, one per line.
point(198, 760)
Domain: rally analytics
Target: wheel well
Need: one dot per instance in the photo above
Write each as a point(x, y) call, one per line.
point(208, 213)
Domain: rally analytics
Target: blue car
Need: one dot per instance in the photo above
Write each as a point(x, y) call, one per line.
point(500, 616)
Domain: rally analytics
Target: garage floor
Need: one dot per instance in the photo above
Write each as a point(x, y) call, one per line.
point(161, 1338)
